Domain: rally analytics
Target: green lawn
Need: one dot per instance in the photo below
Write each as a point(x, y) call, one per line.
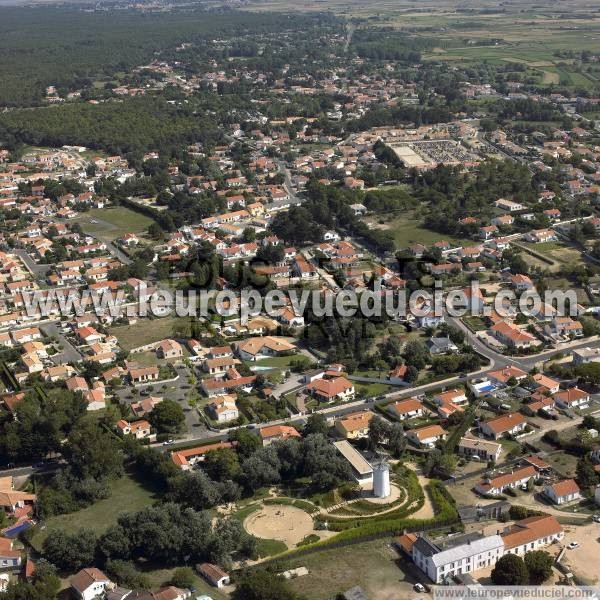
point(146, 331)
point(409, 230)
point(114, 222)
point(371, 389)
point(276, 362)
point(128, 495)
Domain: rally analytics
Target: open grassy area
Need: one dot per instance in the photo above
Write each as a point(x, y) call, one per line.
point(371, 389)
point(275, 362)
point(146, 331)
point(113, 223)
point(375, 566)
point(128, 495)
point(407, 229)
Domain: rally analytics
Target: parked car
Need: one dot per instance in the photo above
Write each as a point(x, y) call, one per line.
point(573, 545)
point(418, 587)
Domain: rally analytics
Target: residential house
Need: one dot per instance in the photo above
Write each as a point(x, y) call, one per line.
point(427, 436)
point(563, 491)
point(539, 236)
point(483, 449)
point(186, 459)
point(442, 563)
point(9, 558)
point(354, 425)
point(224, 408)
point(441, 345)
point(504, 375)
point(170, 349)
point(572, 398)
point(261, 347)
point(13, 501)
point(330, 390)
point(143, 374)
point(410, 408)
point(511, 424)
point(531, 534)
point(90, 583)
point(276, 433)
point(138, 429)
point(510, 335)
point(497, 484)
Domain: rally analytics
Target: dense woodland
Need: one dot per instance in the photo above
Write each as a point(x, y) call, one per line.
point(66, 46)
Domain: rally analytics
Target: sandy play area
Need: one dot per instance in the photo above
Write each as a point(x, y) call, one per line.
point(287, 524)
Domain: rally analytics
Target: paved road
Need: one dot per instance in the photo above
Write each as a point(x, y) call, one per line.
point(69, 354)
point(177, 390)
point(35, 268)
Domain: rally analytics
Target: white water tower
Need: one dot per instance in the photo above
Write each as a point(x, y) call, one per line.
point(381, 479)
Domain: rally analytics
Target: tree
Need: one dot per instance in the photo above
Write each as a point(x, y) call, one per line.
point(247, 442)
point(587, 476)
point(510, 570)
point(125, 574)
point(93, 452)
point(195, 490)
point(378, 432)
point(167, 417)
point(263, 585)
point(70, 552)
point(316, 423)
point(539, 565)
point(440, 464)
point(416, 354)
point(184, 578)
point(221, 464)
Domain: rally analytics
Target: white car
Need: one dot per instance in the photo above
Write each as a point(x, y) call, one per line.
point(596, 518)
point(573, 545)
point(418, 587)
point(168, 442)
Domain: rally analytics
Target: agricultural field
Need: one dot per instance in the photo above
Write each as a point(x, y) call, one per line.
point(471, 32)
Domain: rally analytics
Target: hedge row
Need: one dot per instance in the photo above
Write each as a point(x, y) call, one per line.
point(445, 515)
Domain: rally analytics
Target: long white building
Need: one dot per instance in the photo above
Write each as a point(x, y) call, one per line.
point(466, 554)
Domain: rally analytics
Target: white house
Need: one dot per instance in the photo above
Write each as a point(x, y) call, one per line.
point(563, 491)
point(483, 449)
point(90, 583)
point(407, 409)
point(427, 436)
point(531, 534)
point(572, 398)
point(510, 424)
point(441, 564)
point(213, 574)
point(514, 479)
point(224, 408)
